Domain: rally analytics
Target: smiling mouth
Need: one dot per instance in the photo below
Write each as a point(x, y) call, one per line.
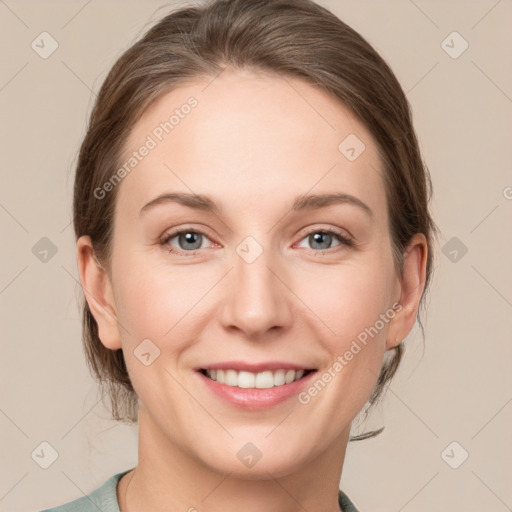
point(261, 380)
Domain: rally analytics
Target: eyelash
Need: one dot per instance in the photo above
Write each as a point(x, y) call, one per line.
point(343, 239)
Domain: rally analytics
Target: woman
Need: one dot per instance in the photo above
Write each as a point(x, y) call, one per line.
point(273, 139)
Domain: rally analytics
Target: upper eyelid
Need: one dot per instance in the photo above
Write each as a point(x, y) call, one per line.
point(338, 231)
point(176, 231)
point(314, 229)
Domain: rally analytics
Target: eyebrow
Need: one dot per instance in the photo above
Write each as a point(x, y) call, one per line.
point(301, 203)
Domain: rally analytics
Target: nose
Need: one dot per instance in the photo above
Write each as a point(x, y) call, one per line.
point(257, 299)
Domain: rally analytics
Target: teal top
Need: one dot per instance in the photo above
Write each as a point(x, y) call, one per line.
point(104, 499)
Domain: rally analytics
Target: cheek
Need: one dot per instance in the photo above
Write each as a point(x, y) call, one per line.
point(346, 298)
point(160, 305)
point(157, 302)
point(349, 303)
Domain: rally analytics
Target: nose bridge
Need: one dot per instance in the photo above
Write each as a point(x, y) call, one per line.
point(257, 299)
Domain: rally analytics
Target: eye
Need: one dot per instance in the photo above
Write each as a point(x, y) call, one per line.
point(189, 240)
point(321, 239)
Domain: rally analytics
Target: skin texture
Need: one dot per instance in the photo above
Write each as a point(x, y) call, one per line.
point(253, 143)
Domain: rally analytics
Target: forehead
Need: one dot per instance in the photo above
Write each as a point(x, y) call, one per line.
point(246, 137)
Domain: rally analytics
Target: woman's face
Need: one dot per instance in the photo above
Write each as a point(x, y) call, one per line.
point(266, 275)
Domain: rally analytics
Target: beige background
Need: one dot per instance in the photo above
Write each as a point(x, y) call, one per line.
point(457, 387)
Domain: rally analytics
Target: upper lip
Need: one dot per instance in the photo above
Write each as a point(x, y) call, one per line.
point(254, 368)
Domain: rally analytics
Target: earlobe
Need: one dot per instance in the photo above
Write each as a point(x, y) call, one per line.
point(412, 284)
point(97, 289)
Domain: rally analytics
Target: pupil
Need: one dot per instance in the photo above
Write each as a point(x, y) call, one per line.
point(189, 238)
point(317, 238)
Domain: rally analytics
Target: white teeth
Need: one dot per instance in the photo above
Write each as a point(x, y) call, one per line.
point(279, 378)
point(230, 378)
point(246, 380)
point(262, 380)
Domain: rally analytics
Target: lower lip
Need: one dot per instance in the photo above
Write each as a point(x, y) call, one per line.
point(256, 399)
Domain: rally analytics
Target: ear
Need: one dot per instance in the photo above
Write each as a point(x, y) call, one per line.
point(410, 288)
point(98, 293)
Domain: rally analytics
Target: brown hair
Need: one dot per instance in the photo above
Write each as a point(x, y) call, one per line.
point(296, 38)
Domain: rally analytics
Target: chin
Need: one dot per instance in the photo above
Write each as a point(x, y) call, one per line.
point(246, 461)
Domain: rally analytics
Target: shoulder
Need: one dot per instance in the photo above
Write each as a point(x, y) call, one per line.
point(344, 502)
point(104, 498)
